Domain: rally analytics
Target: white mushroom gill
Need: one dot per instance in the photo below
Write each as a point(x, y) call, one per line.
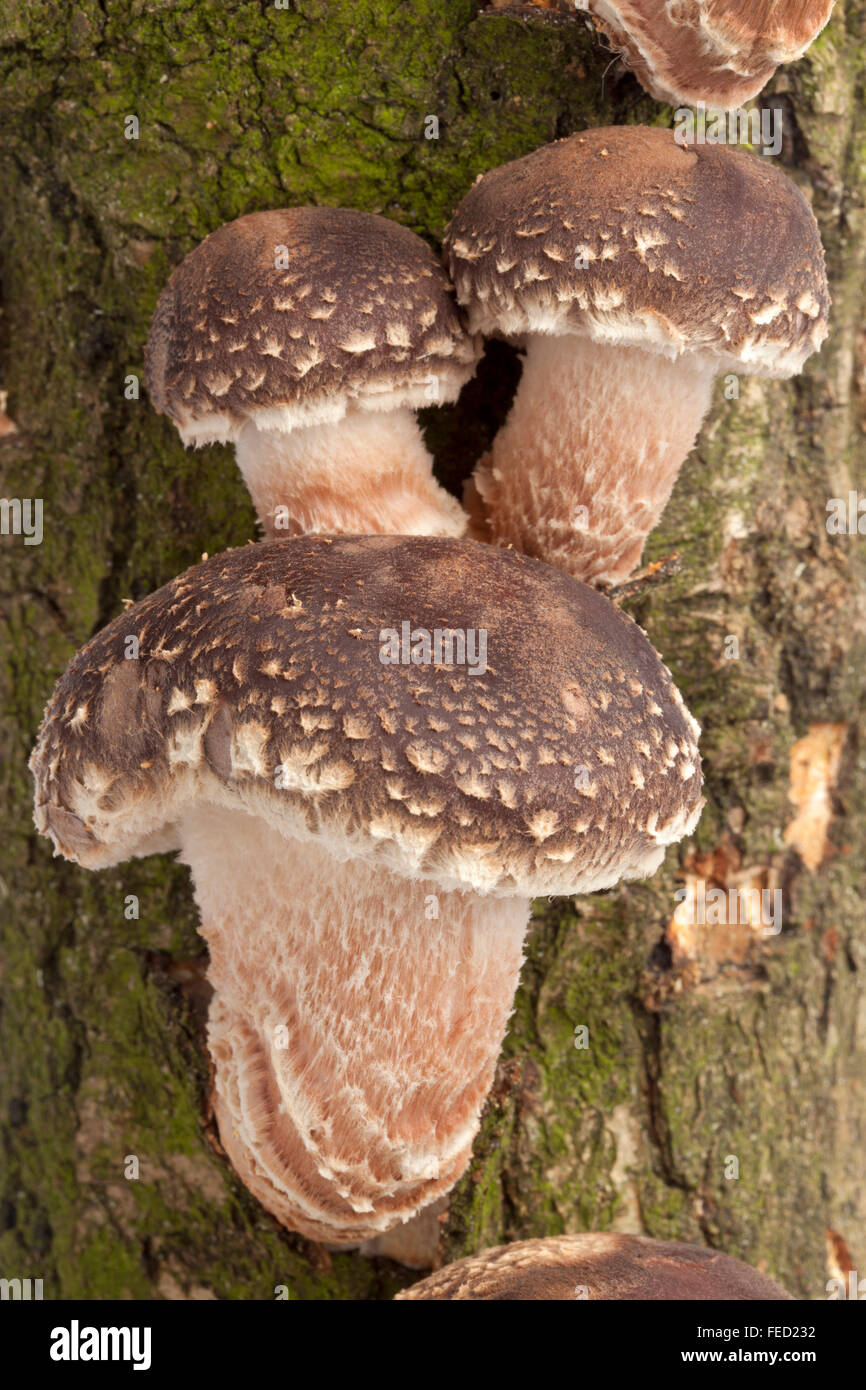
point(355, 1025)
point(367, 472)
point(583, 467)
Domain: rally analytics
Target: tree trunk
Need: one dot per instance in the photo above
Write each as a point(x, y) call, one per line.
point(720, 1095)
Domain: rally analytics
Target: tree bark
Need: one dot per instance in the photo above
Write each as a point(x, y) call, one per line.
point(720, 1097)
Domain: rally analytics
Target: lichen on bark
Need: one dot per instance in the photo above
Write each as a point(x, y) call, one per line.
point(245, 106)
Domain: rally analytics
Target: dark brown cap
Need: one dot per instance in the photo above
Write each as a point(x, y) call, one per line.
point(293, 317)
point(592, 1267)
point(625, 236)
point(556, 757)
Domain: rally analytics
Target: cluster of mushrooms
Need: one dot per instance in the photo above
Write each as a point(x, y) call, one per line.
point(365, 836)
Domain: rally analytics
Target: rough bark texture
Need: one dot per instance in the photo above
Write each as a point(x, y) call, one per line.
point(702, 1047)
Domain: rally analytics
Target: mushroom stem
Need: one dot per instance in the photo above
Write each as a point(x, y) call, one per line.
point(368, 472)
point(582, 468)
point(355, 1024)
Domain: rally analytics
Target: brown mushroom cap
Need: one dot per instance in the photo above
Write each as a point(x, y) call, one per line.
point(593, 1267)
point(719, 51)
point(686, 249)
point(566, 764)
point(363, 317)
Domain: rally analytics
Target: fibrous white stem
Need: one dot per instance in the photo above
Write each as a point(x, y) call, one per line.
point(582, 468)
point(368, 472)
point(355, 1024)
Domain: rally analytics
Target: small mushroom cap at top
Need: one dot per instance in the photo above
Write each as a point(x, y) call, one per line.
point(718, 51)
point(596, 1267)
point(294, 317)
point(627, 237)
point(543, 748)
